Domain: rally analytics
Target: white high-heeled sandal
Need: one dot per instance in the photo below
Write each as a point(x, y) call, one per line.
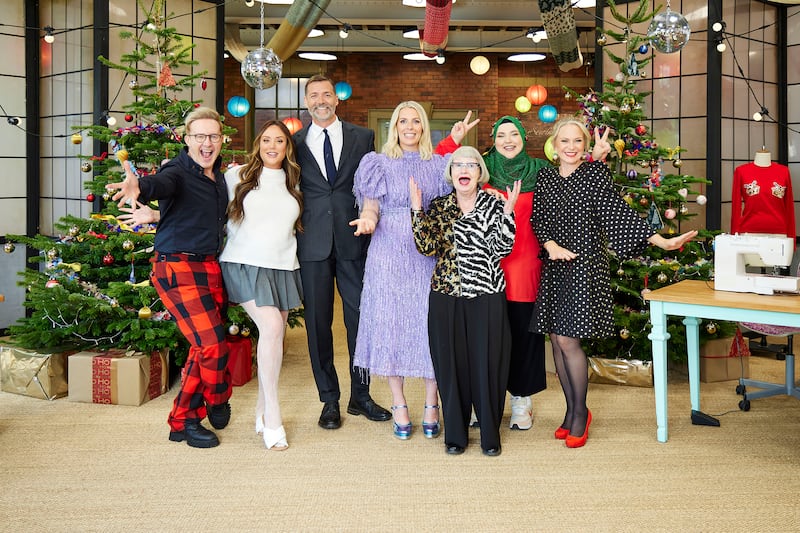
point(259, 425)
point(275, 439)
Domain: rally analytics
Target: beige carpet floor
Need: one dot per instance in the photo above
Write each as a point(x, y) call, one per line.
point(67, 466)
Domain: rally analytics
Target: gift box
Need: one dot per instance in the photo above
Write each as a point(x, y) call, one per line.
point(117, 377)
point(30, 373)
point(240, 360)
point(725, 359)
point(630, 372)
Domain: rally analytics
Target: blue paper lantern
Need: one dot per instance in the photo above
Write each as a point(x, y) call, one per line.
point(548, 113)
point(343, 90)
point(238, 106)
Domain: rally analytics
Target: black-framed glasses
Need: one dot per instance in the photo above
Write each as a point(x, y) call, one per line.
point(200, 138)
point(469, 166)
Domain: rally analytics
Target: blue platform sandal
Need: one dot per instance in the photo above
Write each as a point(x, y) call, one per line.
point(401, 431)
point(431, 430)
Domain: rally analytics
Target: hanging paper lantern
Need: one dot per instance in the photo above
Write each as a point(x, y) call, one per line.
point(238, 106)
point(522, 104)
point(293, 123)
point(479, 65)
point(343, 90)
point(537, 94)
point(548, 114)
point(549, 149)
point(669, 32)
point(261, 68)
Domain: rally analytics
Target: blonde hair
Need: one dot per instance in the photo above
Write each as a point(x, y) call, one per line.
point(468, 152)
point(392, 146)
point(201, 113)
point(587, 137)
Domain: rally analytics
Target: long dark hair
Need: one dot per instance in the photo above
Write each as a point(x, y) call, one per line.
point(252, 170)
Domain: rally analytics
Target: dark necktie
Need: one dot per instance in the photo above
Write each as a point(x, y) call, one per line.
point(330, 163)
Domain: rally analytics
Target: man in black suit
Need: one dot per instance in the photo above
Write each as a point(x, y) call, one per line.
point(329, 151)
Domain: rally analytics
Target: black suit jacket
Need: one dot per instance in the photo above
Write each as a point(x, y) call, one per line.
point(327, 210)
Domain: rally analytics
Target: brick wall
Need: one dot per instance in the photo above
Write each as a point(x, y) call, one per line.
point(384, 80)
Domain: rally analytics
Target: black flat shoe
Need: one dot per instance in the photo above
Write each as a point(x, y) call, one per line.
point(330, 417)
point(453, 449)
point(492, 452)
point(370, 409)
point(195, 435)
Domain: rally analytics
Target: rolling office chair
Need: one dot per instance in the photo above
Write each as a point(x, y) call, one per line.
point(785, 352)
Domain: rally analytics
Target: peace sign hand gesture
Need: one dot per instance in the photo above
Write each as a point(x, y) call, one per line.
point(462, 127)
point(601, 145)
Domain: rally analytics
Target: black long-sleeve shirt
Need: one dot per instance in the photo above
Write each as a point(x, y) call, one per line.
point(193, 207)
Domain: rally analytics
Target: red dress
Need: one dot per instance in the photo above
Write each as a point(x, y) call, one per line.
point(766, 193)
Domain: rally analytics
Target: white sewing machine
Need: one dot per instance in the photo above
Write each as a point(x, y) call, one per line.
point(733, 253)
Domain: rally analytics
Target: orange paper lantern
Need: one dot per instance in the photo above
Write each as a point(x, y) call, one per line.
point(294, 124)
point(537, 94)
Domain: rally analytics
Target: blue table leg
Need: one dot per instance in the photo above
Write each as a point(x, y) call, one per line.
point(699, 418)
point(659, 336)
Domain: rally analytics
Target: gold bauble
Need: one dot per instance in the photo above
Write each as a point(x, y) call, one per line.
point(624, 333)
point(711, 328)
point(76, 138)
point(145, 313)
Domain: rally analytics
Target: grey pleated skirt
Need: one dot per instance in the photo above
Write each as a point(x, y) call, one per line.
point(267, 286)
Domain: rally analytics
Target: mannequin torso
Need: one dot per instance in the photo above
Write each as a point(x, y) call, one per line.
point(762, 159)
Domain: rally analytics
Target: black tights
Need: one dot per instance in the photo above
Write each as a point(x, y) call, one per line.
point(572, 368)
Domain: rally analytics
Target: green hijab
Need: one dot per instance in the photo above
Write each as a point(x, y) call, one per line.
point(503, 172)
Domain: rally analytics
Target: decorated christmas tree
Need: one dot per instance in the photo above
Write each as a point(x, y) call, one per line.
point(650, 180)
point(92, 289)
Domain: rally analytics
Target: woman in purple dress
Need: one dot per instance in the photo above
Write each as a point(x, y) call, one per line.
point(392, 333)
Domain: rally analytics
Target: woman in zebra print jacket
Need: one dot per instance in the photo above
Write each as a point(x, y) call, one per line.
point(468, 231)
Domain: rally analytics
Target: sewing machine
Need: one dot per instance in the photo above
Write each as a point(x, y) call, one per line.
point(733, 253)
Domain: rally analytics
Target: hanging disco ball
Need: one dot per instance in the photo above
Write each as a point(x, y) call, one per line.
point(668, 32)
point(261, 68)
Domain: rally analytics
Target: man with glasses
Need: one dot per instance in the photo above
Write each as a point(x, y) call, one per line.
point(193, 201)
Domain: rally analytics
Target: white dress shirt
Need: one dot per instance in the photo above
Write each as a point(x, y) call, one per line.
point(316, 138)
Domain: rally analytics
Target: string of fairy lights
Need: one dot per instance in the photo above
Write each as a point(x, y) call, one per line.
point(722, 38)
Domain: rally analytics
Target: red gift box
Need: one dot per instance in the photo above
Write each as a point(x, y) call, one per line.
point(240, 360)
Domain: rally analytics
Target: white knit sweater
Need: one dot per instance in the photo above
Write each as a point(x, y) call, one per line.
point(265, 237)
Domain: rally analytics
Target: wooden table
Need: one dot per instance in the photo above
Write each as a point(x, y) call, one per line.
point(694, 300)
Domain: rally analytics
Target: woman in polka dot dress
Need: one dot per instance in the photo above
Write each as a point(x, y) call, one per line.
point(577, 216)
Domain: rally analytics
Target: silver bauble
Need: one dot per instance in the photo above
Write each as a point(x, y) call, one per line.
point(261, 68)
point(669, 32)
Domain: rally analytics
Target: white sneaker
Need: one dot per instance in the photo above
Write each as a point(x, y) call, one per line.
point(521, 413)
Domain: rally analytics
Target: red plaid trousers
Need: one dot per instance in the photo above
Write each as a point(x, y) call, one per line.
point(192, 291)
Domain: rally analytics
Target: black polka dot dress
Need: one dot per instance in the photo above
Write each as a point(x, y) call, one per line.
point(584, 213)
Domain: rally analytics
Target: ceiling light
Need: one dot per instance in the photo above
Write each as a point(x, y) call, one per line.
point(48, 35)
point(536, 35)
point(317, 56)
point(315, 33)
point(526, 57)
point(718, 26)
point(277, 2)
point(345, 31)
point(584, 3)
point(411, 34)
point(440, 59)
point(419, 56)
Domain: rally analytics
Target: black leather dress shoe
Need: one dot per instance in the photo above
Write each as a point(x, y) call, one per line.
point(195, 435)
point(453, 449)
point(330, 417)
point(492, 452)
point(370, 409)
point(219, 415)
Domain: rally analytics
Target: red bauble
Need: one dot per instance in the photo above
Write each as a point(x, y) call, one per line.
point(128, 118)
point(108, 259)
point(203, 84)
point(196, 105)
point(90, 197)
point(641, 129)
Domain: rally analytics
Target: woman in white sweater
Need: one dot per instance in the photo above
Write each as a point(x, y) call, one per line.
point(259, 261)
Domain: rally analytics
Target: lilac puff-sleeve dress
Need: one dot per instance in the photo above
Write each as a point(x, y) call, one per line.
point(392, 332)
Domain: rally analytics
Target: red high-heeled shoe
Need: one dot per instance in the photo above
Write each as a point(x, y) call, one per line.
point(577, 442)
point(561, 433)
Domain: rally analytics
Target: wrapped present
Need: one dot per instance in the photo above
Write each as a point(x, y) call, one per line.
point(725, 359)
point(240, 359)
point(36, 374)
point(118, 377)
point(621, 372)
